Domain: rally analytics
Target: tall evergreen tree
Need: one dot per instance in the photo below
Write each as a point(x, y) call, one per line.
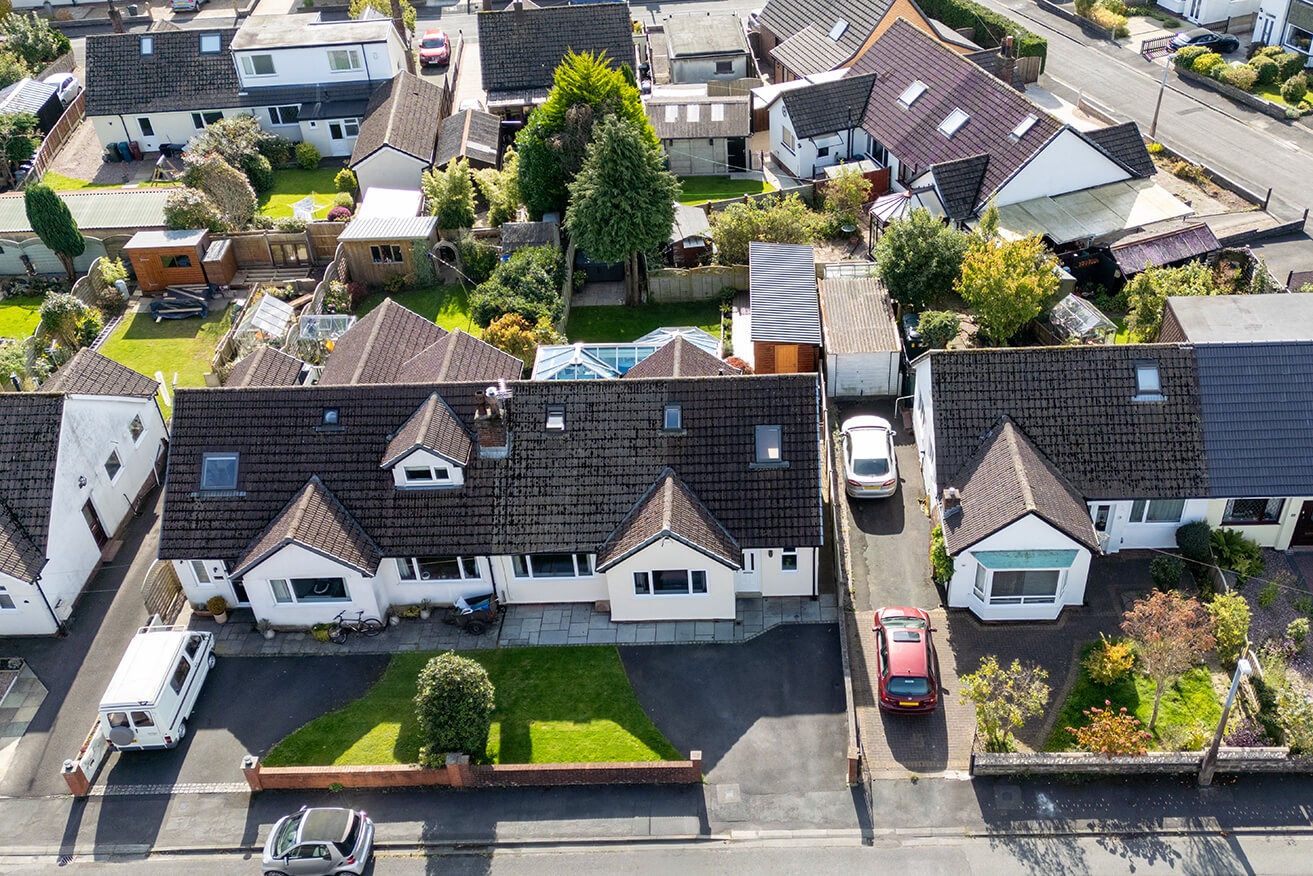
point(52, 222)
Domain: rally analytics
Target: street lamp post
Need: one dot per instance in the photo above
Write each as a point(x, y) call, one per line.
point(1162, 87)
point(1209, 766)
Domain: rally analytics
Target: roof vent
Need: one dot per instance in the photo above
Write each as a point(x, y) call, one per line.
point(837, 31)
point(912, 92)
point(956, 119)
point(1023, 126)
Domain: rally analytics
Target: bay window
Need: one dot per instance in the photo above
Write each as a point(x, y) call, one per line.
point(1251, 511)
point(552, 565)
point(1025, 577)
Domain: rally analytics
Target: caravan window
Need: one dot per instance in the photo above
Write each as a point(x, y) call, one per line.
point(143, 719)
point(194, 644)
point(180, 675)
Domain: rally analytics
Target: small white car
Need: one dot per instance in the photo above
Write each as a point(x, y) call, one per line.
point(870, 469)
point(66, 85)
point(318, 842)
point(753, 20)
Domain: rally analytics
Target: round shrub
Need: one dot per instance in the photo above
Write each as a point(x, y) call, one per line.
point(1270, 52)
point(307, 156)
point(216, 605)
point(938, 327)
point(1292, 64)
point(1186, 57)
point(344, 199)
point(1294, 89)
point(1231, 616)
point(1267, 69)
point(1207, 63)
point(453, 707)
point(1240, 76)
point(1297, 632)
point(339, 214)
point(1166, 572)
point(1194, 540)
point(277, 149)
point(1109, 660)
point(260, 172)
point(345, 181)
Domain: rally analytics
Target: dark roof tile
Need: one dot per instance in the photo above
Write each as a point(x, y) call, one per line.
point(175, 77)
point(433, 427)
point(669, 510)
point(265, 367)
point(958, 184)
point(378, 346)
point(1124, 145)
point(785, 18)
point(29, 445)
point(401, 114)
point(460, 356)
point(680, 358)
point(315, 520)
point(519, 50)
point(90, 373)
point(472, 134)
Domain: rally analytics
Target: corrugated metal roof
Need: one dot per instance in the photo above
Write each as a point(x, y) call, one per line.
point(152, 239)
point(102, 208)
point(858, 317)
point(782, 293)
point(390, 228)
point(26, 96)
point(1164, 248)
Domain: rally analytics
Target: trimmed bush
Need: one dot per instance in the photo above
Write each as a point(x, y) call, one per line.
point(344, 199)
point(339, 214)
point(345, 180)
point(1166, 572)
point(1194, 541)
point(1269, 52)
point(1292, 64)
point(1110, 660)
point(307, 156)
point(260, 172)
point(1231, 616)
point(1207, 63)
point(1187, 56)
point(453, 706)
point(1240, 76)
point(940, 561)
point(277, 149)
point(1294, 89)
point(1267, 69)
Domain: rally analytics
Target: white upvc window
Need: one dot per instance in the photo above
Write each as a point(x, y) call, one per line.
point(437, 568)
point(1024, 577)
point(136, 429)
point(258, 65)
point(6, 601)
point(202, 573)
point(552, 565)
point(113, 465)
point(290, 591)
point(1157, 510)
point(344, 60)
point(670, 582)
point(426, 475)
point(789, 560)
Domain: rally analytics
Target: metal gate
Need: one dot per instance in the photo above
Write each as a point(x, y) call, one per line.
point(162, 591)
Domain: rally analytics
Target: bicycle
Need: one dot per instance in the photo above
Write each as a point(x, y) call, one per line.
point(343, 626)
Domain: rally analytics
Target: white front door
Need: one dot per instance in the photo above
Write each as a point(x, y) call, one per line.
point(150, 142)
point(342, 135)
point(748, 579)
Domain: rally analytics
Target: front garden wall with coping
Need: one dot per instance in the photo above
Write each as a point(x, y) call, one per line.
point(1243, 97)
point(1229, 760)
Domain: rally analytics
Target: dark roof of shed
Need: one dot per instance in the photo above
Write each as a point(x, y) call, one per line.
point(265, 367)
point(782, 293)
point(469, 134)
point(1074, 404)
point(175, 77)
point(515, 235)
point(680, 358)
point(556, 490)
point(520, 50)
point(858, 316)
point(904, 54)
point(401, 115)
point(315, 520)
point(1124, 145)
point(26, 96)
point(378, 346)
point(90, 373)
point(1135, 254)
point(1008, 480)
point(669, 509)
point(29, 445)
point(1257, 401)
point(460, 356)
point(829, 107)
point(809, 51)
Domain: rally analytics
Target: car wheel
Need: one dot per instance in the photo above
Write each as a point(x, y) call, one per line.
point(274, 873)
point(475, 628)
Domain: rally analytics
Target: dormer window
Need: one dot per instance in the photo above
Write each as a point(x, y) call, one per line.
point(1148, 382)
point(555, 418)
point(219, 471)
point(769, 447)
point(950, 126)
point(912, 92)
point(426, 475)
point(673, 418)
point(148, 45)
point(209, 43)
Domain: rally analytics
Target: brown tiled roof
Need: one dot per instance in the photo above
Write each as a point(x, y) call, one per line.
point(90, 373)
point(809, 51)
point(433, 427)
point(1074, 404)
point(265, 367)
point(402, 114)
point(1008, 480)
point(680, 358)
point(29, 445)
point(315, 520)
point(471, 134)
point(669, 510)
point(857, 316)
point(375, 349)
point(556, 490)
point(461, 356)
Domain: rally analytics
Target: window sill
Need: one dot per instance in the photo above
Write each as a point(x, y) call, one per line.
point(761, 466)
point(670, 595)
point(219, 494)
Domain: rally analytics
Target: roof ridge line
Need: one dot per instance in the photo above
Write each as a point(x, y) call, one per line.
point(668, 501)
point(369, 341)
point(1019, 466)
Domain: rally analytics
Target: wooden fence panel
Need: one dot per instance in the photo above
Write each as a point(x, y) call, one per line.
point(694, 284)
point(49, 147)
point(1028, 68)
point(162, 591)
point(323, 239)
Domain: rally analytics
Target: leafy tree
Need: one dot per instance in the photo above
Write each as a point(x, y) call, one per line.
point(1171, 634)
point(987, 227)
point(12, 69)
point(1112, 734)
point(226, 187)
point(345, 181)
point(623, 200)
point(919, 258)
point(769, 220)
point(32, 39)
point(61, 312)
point(1148, 290)
point(517, 336)
point(528, 283)
point(52, 222)
point(1004, 698)
point(938, 327)
point(234, 139)
point(453, 707)
point(19, 139)
point(1007, 283)
point(501, 189)
point(450, 194)
point(845, 194)
point(188, 208)
point(408, 15)
point(1230, 612)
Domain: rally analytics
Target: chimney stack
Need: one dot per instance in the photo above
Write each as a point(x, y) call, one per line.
point(1006, 65)
point(951, 502)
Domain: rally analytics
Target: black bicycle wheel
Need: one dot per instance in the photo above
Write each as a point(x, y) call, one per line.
point(372, 626)
point(337, 635)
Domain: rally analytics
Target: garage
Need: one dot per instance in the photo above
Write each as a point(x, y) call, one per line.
point(700, 133)
point(863, 355)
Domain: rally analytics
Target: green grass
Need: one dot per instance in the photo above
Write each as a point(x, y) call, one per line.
point(1191, 701)
point(698, 189)
point(448, 306)
point(19, 316)
point(554, 705)
point(292, 185)
point(623, 324)
point(181, 346)
point(61, 183)
point(1272, 92)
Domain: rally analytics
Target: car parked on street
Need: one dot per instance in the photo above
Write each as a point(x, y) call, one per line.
point(186, 5)
point(870, 469)
point(1222, 43)
point(906, 658)
point(318, 842)
point(66, 86)
point(434, 49)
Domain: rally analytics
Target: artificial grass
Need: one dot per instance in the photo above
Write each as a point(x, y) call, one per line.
point(1190, 701)
point(19, 316)
point(293, 184)
point(698, 189)
point(554, 705)
point(623, 324)
point(448, 306)
point(172, 346)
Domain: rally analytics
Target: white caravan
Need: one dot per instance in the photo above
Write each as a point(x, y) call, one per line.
point(154, 690)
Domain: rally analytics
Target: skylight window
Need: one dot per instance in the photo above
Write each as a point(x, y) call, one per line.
point(219, 471)
point(672, 112)
point(1023, 126)
point(209, 43)
point(148, 45)
point(769, 450)
point(1148, 382)
point(837, 31)
point(912, 92)
point(956, 119)
point(332, 417)
point(673, 420)
point(555, 418)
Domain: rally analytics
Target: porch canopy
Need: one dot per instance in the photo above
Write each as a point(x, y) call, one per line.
point(1092, 213)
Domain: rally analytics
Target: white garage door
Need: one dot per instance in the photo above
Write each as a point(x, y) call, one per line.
point(871, 374)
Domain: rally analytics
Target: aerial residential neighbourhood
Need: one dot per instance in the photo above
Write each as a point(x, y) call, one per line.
point(764, 436)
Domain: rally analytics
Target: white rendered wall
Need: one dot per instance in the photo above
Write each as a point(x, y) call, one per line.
point(1028, 533)
point(716, 604)
point(1066, 164)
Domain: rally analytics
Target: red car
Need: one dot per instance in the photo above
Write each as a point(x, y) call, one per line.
point(906, 655)
point(434, 49)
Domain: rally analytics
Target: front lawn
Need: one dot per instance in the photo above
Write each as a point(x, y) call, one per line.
point(699, 189)
point(554, 705)
point(448, 306)
point(181, 346)
point(619, 324)
point(1191, 702)
point(19, 316)
point(291, 185)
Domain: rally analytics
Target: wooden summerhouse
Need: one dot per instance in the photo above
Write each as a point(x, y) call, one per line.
point(380, 247)
point(167, 258)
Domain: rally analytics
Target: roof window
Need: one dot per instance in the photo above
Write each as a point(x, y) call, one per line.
point(555, 418)
point(956, 119)
point(1023, 126)
point(1148, 382)
point(673, 418)
point(209, 43)
point(838, 30)
point(912, 92)
point(769, 447)
point(332, 417)
point(219, 471)
point(148, 45)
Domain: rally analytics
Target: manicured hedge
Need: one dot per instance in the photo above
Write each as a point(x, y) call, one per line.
point(989, 27)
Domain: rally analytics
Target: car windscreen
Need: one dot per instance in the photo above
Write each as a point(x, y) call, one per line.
point(433, 43)
point(348, 842)
point(908, 686)
point(285, 839)
point(871, 468)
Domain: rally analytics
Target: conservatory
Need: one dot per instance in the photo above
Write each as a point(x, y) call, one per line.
point(1073, 320)
point(608, 361)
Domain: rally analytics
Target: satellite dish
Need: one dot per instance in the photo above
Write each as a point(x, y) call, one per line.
point(120, 736)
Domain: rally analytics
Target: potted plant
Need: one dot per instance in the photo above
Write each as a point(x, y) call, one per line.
point(320, 632)
point(425, 608)
point(394, 617)
point(218, 606)
point(266, 628)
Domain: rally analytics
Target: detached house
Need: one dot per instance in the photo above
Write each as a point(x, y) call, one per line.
point(76, 459)
point(662, 498)
point(1285, 23)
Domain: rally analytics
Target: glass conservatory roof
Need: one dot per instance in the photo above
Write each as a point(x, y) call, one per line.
point(270, 317)
point(608, 361)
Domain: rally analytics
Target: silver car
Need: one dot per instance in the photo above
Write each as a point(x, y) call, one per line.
point(317, 842)
point(869, 467)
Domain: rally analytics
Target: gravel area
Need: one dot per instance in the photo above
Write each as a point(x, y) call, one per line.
point(1270, 622)
point(82, 158)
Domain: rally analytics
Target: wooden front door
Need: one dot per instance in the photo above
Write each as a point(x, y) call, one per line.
point(1303, 534)
point(93, 523)
point(786, 359)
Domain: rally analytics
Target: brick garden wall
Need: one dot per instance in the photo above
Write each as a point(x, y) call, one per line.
point(1229, 760)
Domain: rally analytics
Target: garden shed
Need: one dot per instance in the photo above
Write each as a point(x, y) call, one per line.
point(863, 356)
point(785, 311)
point(379, 247)
point(220, 262)
point(167, 258)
